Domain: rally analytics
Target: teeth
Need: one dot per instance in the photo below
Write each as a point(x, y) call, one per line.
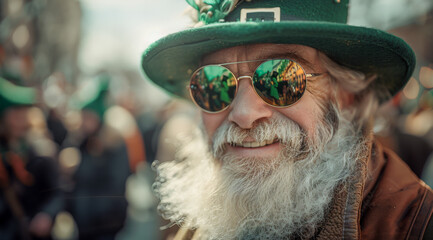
point(252, 144)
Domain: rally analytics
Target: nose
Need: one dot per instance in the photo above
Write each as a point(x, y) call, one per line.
point(247, 107)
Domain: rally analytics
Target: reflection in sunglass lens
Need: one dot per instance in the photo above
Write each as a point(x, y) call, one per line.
point(280, 82)
point(213, 88)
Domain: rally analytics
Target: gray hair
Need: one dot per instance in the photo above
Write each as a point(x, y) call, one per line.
point(366, 95)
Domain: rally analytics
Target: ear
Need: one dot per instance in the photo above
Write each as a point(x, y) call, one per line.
point(345, 98)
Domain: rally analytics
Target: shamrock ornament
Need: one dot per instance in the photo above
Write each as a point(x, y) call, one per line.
point(213, 10)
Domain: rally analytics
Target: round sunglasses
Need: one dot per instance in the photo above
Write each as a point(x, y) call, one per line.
point(278, 82)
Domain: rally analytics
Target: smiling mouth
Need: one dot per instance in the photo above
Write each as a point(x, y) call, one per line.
point(254, 144)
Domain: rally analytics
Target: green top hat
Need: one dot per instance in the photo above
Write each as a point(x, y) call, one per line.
point(12, 95)
point(170, 61)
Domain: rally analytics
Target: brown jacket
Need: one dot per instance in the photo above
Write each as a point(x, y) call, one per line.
point(385, 200)
point(397, 205)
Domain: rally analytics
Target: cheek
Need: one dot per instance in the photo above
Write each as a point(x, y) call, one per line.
point(306, 113)
point(212, 121)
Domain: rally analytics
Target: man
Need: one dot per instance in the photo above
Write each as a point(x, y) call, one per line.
point(97, 200)
point(30, 197)
point(305, 164)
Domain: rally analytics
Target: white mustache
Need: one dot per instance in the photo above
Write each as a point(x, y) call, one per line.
point(276, 129)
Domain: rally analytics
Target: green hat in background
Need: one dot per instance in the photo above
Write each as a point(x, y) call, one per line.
point(94, 97)
point(12, 95)
point(12, 77)
point(170, 61)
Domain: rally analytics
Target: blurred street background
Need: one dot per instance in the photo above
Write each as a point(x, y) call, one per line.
point(102, 124)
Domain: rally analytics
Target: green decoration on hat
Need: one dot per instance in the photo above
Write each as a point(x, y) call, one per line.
point(170, 61)
point(12, 95)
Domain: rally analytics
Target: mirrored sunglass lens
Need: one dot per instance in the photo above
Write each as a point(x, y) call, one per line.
point(280, 82)
point(213, 88)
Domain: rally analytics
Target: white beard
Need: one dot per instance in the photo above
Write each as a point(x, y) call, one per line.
point(279, 198)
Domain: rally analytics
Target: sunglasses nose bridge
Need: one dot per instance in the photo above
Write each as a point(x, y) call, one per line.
point(243, 77)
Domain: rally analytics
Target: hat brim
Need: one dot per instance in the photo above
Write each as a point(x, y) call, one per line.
point(170, 61)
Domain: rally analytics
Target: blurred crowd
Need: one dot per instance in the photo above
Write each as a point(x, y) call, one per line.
point(76, 149)
point(78, 173)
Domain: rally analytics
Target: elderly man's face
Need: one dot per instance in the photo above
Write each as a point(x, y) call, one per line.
point(248, 109)
point(280, 189)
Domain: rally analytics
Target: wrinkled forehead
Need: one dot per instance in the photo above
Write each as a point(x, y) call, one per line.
point(304, 55)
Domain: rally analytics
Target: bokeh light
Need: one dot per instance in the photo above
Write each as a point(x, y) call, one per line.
point(411, 90)
point(419, 124)
point(64, 226)
point(69, 158)
point(14, 6)
point(426, 77)
point(21, 36)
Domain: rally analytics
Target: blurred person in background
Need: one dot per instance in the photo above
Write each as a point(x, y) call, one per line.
point(30, 197)
point(106, 159)
point(416, 101)
point(293, 161)
point(179, 123)
point(140, 124)
point(407, 120)
point(413, 149)
point(427, 112)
